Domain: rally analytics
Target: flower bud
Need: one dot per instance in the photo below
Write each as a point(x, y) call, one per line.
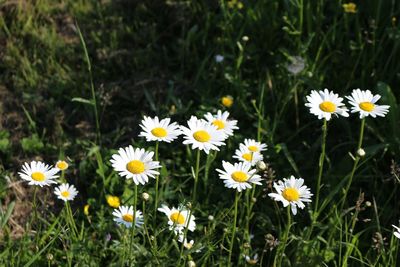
point(361, 152)
point(261, 165)
point(145, 196)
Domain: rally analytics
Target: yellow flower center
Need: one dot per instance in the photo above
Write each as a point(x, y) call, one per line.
point(253, 148)
point(220, 124)
point(202, 136)
point(159, 132)
point(239, 176)
point(177, 218)
point(247, 156)
point(291, 194)
point(127, 217)
point(65, 194)
point(62, 165)
point(38, 176)
point(367, 106)
point(113, 201)
point(327, 106)
point(135, 166)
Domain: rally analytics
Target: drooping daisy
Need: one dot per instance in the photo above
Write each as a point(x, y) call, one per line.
point(220, 120)
point(155, 130)
point(324, 104)
point(178, 219)
point(364, 102)
point(136, 164)
point(202, 135)
point(291, 191)
point(254, 146)
point(245, 155)
point(66, 192)
point(238, 176)
point(38, 173)
point(125, 215)
point(397, 231)
point(62, 165)
point(186, 244)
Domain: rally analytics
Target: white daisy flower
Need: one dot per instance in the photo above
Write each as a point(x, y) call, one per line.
point(62, 165)
point(239, 175)
point(136, 164)
point(178, 219)
point(125, 215)
point(397, 231)
point(202, 135)
point(324, 103)
point(291, 191)
point(254, 146)
point(66, 192)
point(364, 102)
point(38, 173)
point(251, 261)
point(155, 130)
point(220, 120)
point(245, 155)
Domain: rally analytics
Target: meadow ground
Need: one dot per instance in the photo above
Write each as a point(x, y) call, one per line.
point(78, 77)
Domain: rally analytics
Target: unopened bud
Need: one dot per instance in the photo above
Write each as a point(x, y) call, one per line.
point(49, 257)
point(191, 264)
point(261, 165)
point(245, 38)
point(253, 199)
point(368, 203)
point(210, 218)
point(246, 245)
point(361, 152)
point(145, 196)
point(189, 205)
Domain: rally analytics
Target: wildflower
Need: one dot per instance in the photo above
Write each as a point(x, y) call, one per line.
point(254, 146)
point(186, 244)
point(350, 7)
point(397, 231)
point(178, 219)
point(238, 176)
point(38, 173)
point(66, 192)
point(202, 135)
point(86, 209)
point(291, 191)
point(245, 155)
point(135, 164)
point(251, 261)
point(296, 66)
point(62, 165)
point(324, 103)
point(219, 58)
point(125, 215)
point(364, 102)
point(155, 130)
point(220, 120)
point(227, 101)
point(113, 201)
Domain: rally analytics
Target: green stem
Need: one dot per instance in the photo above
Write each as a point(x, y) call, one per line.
point(196, 177)
point(356, 161)
point(281, 249)
point(34, 203)
point(132, 232)
point(321, 168)
point(157, 180)
point(233, 228)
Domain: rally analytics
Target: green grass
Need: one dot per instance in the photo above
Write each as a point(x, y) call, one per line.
point(82, 96)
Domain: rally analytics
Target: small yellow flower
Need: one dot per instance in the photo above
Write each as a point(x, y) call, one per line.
point(227, 101)
point(62, 165)
point(350, 7)
point(113, 201)
point(86, 209)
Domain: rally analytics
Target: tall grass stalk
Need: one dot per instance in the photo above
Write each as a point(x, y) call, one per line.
point(281, 249)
